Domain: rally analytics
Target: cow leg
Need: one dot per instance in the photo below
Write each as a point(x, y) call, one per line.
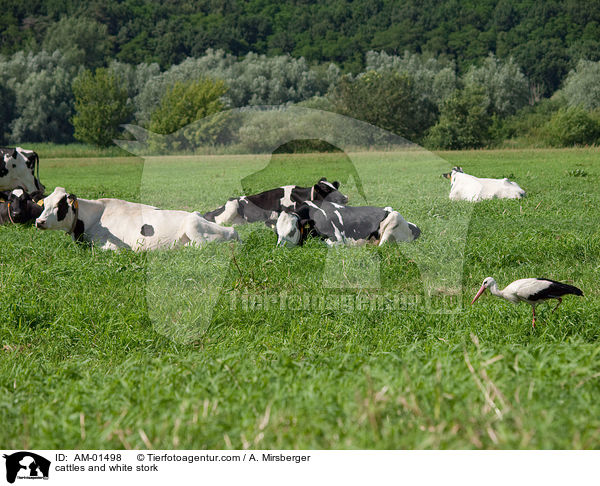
point(386, 228)
point(385, 237)
point(183, 240)
point(196, 231)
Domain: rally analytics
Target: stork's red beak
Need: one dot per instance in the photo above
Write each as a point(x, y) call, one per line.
point(481, 291)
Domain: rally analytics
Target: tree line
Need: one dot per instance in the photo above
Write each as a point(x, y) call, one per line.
point(448, 75)
point(47, 97)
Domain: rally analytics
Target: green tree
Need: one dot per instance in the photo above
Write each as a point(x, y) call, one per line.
point(436, 78)
point(503, 83)
point(464, 122)
point(387, 100)
point(185, 113)
point(83, 41)
point(101, 106)
point(43, 104)
point(582, 86)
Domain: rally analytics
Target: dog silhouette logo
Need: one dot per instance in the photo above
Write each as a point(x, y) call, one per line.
point(27, 465)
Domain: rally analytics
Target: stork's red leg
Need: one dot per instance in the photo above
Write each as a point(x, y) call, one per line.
point(559, 302)
point(533, 309)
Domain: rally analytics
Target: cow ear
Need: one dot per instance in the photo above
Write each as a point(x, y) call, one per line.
point(323, 179)
point(37, 195)
point(336, 184)
point(72, 198)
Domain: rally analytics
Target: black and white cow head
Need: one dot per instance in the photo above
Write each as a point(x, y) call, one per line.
point(328, 191)
point(60, 211)
point(17, 169)
point(23, 207)
point(448, 175)
point(290, 229)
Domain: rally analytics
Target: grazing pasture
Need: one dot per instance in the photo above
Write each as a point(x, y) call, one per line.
point(84, 364)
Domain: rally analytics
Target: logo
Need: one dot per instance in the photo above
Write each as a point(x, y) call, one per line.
point(186, 290)
point(26, 465)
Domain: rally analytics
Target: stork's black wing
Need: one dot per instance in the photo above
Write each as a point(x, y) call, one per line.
point(555, 290)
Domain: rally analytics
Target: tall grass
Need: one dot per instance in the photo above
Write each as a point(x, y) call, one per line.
point(48, 150)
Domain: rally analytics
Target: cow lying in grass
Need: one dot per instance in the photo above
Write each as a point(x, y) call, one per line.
point(19, 206)
point(17, 170)
point(337, 224)
point(266, 206)
point(465, 187)
point(112, 223)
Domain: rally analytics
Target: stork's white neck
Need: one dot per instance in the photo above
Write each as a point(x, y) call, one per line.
point(494, 290)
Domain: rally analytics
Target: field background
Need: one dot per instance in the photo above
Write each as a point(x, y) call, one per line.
point(82, 364)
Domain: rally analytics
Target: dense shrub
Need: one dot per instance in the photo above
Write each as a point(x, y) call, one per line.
point(572, 126)
point(101, 105)
point(526, 127)
point(464, 122)
point(387, 100)
point(185, 114)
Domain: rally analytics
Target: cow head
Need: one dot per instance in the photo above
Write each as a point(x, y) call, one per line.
point(415, 230)
point(290, 229)
point(22, 206)
point(328, 191)
point(60, 211)
point(17, 169)
point(448, 175)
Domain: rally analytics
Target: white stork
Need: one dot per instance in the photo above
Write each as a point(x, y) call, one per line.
point(530, 290)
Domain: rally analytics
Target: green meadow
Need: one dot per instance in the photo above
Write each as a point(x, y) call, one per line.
point(247, 345)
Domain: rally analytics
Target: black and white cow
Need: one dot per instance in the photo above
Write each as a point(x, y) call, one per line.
point(19, 206)
point(112, 223)
point(266, 206)
point(17, 170)
point(337, 224)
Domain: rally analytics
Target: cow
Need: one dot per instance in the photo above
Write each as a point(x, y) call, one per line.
point(19, 206)
point(113, 223)
point(17, 169)
point(348, 225)
point(465, 187)
point(266, 206)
